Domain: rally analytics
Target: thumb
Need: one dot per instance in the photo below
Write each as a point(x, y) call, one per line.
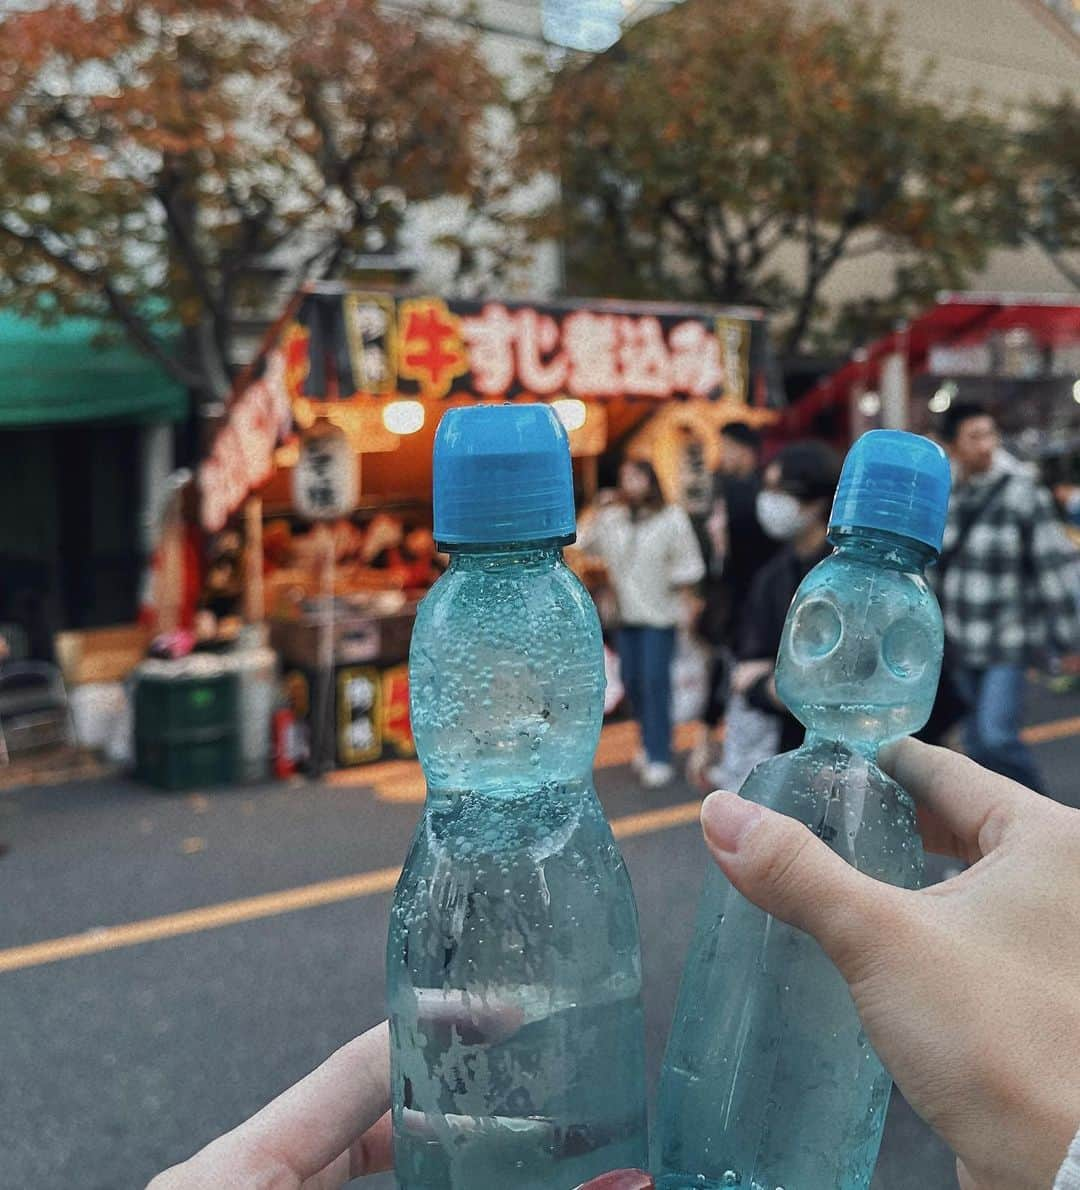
point(964, 1178)
point(777, 863)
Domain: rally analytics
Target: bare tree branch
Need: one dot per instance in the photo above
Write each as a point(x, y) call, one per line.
point(98, 279)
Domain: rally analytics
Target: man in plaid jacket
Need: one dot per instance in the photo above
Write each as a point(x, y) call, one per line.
point(1007, 584)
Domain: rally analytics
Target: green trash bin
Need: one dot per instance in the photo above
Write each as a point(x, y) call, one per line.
point(186, 725)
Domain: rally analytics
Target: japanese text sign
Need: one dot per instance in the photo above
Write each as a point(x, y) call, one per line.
point(370, 344)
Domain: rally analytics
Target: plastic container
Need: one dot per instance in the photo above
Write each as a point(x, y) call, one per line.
point(256, 670)
point(186, 724)
point(768, 1080)
point(513, 964)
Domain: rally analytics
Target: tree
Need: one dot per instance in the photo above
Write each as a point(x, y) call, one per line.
point(741, 152)
point(1050, 159)
point(153, 155)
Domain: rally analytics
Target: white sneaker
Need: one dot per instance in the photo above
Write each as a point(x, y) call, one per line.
point(639, 762)
point(656, 776)
point(714, 777)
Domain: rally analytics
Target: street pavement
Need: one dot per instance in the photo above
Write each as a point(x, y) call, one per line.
point(124, 1049)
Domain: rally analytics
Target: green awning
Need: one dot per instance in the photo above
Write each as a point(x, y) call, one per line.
point(51, 374)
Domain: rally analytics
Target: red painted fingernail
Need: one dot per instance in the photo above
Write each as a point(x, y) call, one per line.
point(621, 1179)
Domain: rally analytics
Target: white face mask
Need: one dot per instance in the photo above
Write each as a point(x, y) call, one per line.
point(781, 515)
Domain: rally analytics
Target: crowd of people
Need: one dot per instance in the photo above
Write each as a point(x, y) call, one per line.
point(1008, 582)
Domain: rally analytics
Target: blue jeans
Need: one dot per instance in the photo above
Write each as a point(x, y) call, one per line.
point(645, 656)
point(993, 727)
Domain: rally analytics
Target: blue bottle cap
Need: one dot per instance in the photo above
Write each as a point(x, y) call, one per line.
point(502, 473)
point(894, 481)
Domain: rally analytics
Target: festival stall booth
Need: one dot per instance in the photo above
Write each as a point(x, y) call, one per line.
point(315, 493)
point(1017, 355)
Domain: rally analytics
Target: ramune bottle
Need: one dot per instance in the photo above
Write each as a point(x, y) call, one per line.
point(769, 1082)
point(513, 962)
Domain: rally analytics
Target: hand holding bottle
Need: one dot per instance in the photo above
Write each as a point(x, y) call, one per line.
point(332, 1126)
point(968, 990)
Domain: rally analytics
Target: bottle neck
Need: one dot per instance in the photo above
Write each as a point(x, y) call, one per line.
point(495, 556)
point(883, 548)
point(866, 746)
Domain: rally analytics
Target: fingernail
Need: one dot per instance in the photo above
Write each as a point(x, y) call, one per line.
point(727, 820)
point(621, 1179)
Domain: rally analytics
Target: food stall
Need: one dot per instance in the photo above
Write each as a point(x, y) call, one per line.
point(1019, 355)
point(338, 586)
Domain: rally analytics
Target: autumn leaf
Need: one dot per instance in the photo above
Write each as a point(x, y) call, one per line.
point(153, 157)
point(719, 137)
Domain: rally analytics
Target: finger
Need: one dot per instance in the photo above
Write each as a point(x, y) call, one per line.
point(476, 1020)
point(776, 862)
point(973, 803)
point(621, 1179)
point(374, 1151)
point(937, 837)
point(314, 1122)
point(333, 1177)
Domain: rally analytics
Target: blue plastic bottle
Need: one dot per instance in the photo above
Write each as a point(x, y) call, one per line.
point(769, 1082)
point(513, 963)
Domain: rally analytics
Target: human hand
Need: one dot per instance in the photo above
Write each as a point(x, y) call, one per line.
point(747, 673)
point(331, 1126)
point(968, 989)
point(621, 1179)
point(717, 529)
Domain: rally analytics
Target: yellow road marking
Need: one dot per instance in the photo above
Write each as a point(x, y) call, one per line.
point(401, 781)
point(1043, 733)
point(193, 921)
point(289, 900)
point(404, 787)
point(370, 774)
point(651, 821)
point(397, 780)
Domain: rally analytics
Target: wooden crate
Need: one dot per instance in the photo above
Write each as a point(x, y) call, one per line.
point(101, 654)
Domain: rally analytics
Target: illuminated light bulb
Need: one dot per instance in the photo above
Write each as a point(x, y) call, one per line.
point(571, 412)
point(870, 404)
point(403, 417)
point(287, 455)
point(943, 398)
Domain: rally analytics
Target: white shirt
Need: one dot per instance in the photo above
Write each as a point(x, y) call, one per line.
point(1069, 1177)
point(648, 559)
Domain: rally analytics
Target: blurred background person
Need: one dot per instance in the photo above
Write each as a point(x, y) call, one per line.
point(653, 560)
point(1068, 497)
point(737, 548)
point(1006, 584)
point(793, 509)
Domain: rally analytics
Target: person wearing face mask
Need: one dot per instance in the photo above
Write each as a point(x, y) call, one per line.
point(793, 508)
point(652, 558)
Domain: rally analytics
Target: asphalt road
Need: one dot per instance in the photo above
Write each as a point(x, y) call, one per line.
point(120, 1061)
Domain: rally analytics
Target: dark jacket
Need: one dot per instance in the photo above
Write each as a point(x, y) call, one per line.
point(762, 624)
